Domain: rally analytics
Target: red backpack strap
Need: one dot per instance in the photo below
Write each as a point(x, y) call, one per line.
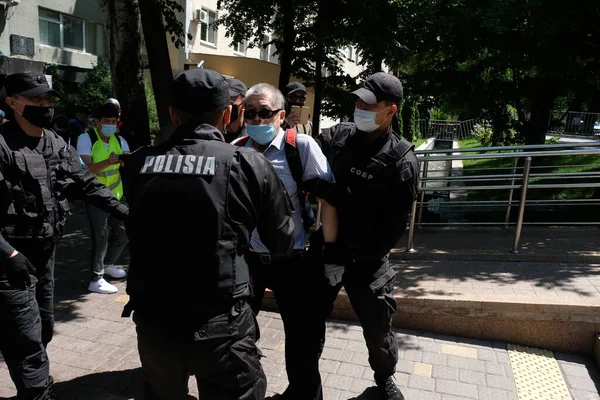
point(290, 137)
point(242, 141)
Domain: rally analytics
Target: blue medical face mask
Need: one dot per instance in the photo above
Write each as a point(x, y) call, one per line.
point(365, 120)
point(262, 134)
point(109, 130)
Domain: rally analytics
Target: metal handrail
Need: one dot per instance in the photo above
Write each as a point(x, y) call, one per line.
point(476, 178)
point(512, 155)
point(521, 177)
point(510, 148)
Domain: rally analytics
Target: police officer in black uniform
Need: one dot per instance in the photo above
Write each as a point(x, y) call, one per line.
point(38, 172)
point(202, 198)
point(377, 176)
point(237, 125)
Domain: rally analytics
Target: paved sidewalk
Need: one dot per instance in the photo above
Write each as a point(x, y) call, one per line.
point(543, 244)
point(544, 282)
point(93, 356)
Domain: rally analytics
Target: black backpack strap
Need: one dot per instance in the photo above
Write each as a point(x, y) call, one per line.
point(397, 153)
point(292, 154)
point(93, 137)
point(293, 157)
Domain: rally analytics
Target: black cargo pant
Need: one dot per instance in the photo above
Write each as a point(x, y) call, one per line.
point(221, 353)
point(298, 284)
point(370, 285)
point(27, 323)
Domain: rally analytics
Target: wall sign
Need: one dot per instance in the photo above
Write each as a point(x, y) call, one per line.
point(21, 45)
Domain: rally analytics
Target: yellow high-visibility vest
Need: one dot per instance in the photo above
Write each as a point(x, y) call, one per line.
point(110, 176)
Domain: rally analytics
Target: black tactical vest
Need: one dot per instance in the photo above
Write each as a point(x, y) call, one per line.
point(178, 203)
point(368, 175)
point(32, 196)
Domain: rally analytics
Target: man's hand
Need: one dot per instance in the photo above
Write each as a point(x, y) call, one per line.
point(333, 258)
point(18, 270)
point(113, 159)
point(293, 120)
point(334, 273)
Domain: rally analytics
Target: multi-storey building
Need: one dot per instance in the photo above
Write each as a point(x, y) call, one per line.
point(65, 32)
point(211, 48)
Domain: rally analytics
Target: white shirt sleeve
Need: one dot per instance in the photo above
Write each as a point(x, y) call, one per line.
point(84, 145)
point(124, 144)
point(314, 162)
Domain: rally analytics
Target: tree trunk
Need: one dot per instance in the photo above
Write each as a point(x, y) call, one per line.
point(289, 39)
point(541, 111)
point(595, 103)
point(319, 30)
point(408, 121)
point(158, 58)
point(124, 38)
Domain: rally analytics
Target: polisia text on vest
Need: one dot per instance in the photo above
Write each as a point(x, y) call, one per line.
point(179, 164)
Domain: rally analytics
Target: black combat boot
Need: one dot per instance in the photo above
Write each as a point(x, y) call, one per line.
point(389, 390)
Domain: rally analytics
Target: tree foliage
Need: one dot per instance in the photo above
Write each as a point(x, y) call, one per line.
point(310, 37)
point(172, 23)
point(488, 58)
point(94, 90)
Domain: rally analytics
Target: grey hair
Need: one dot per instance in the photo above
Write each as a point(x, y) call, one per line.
point(269, 91)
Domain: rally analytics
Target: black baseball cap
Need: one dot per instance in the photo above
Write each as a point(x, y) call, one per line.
point(200, 90)
point(380, 86)
point(236, 87)
point(294, 87)
point(27, 84)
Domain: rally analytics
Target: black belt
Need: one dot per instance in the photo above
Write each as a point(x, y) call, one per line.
point(268, 258)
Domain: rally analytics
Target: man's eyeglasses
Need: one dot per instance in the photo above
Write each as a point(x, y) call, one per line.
point(262, 114)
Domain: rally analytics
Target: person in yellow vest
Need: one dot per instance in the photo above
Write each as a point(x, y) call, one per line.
point(100, 149)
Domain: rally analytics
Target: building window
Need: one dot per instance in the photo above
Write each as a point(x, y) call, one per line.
point(267, 53)
point(72, 33)
point(239, 47)
point(50, 28)
point(67, 32)
point(264, 51)
point(208, 30)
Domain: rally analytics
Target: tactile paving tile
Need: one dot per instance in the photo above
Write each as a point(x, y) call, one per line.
point(537, 374)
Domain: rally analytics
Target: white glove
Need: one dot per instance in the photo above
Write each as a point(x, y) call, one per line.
point(334, 273)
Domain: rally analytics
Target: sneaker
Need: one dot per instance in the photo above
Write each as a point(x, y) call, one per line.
point(389, 390)
point(101, 286)
point(115, 272)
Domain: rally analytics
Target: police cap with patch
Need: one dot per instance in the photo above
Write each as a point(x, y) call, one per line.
point(236, 88)
point(200, 90)
point(27, 84)
point(380, 86)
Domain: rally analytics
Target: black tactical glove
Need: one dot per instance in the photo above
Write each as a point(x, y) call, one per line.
point(333, 259)
point(18, 270)
point(328, 191)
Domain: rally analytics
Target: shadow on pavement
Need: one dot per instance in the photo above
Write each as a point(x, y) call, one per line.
point(71, 273)
point(540, 276)
point(371, 393)
point(114, 385)
point(578, 363)
point(125, 384)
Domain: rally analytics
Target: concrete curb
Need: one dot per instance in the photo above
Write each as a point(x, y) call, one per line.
point(569, 326)
point(401, 255)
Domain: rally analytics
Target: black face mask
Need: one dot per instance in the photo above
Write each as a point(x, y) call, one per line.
point(235, 112)
point(38, 115)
